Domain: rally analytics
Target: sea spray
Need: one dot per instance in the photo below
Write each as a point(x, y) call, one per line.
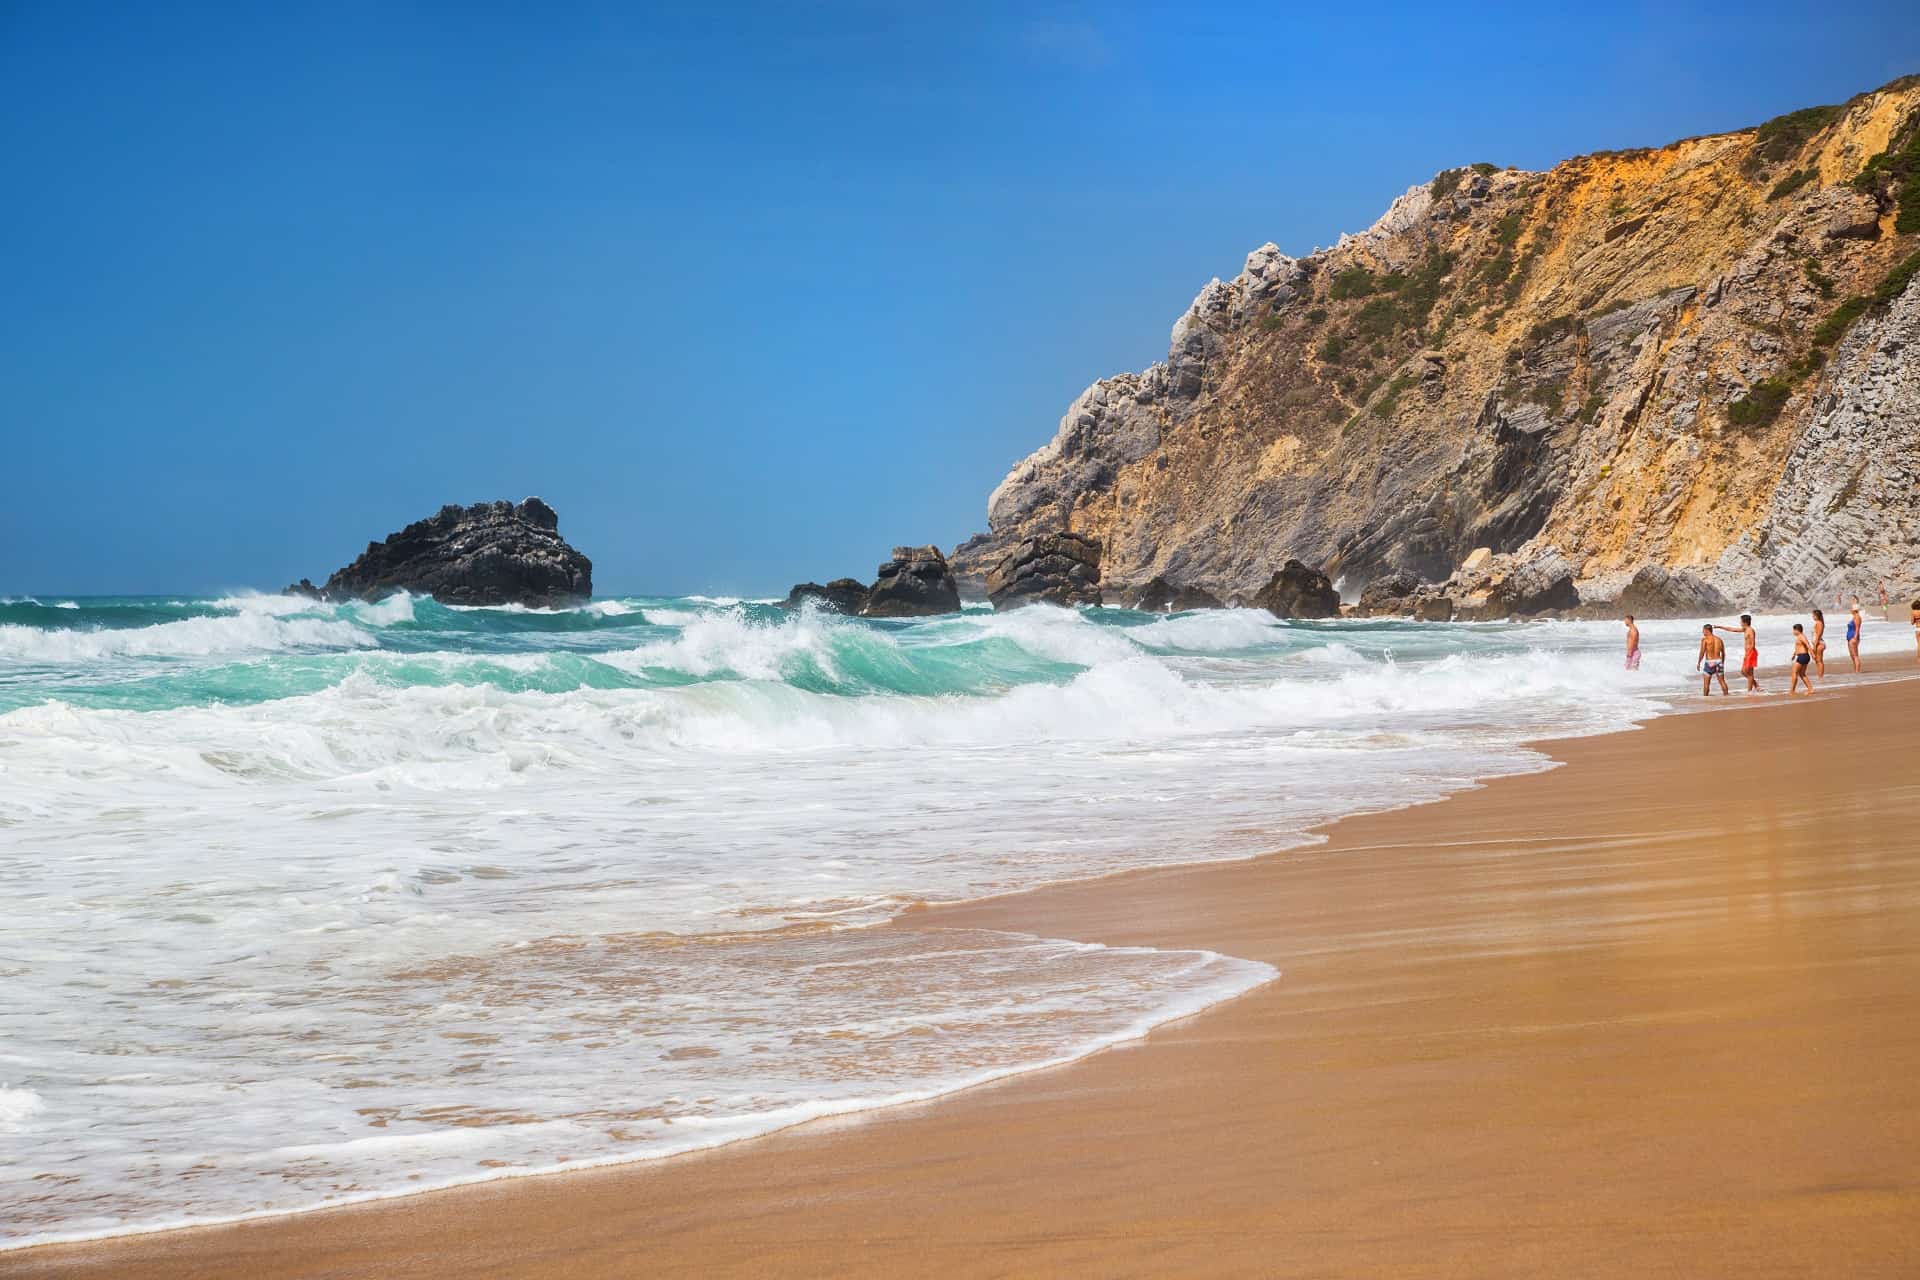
point(327, 901)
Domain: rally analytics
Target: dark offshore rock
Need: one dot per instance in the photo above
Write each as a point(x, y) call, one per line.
point(842, 595)
point(1161, 596)
point(916, 583)
point(304, 587)
point(1661, 593)
point(491, 553)
point(1054, 568)
point(1298, 592)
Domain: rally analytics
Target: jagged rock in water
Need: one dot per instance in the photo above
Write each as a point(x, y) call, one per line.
point(1434, 609)
point(1160, 596)
point(1298, 592)
point(1655, 592)
point(1390, 593)
point(1620, 356)
point(1054, 568)
point(916, 583)
point(491, 553)
point(842, 595)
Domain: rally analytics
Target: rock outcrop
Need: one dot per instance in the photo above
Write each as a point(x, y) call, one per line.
point(1052, 568)
point(1161, 596)
point(1391, 593)
point(1698, 357)
point(1654, 592)
point(916, 583)
point(842, 595)
point(1298, 592)
point(491, 553)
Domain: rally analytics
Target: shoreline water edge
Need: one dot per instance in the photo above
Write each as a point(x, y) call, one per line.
point(439, 981)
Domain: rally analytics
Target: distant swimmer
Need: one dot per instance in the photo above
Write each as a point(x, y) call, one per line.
point(1820, 643)
point(1856, 626)
point(1633, 645)
point(1750, 659)
point(1802, 659)
point(1712, 662)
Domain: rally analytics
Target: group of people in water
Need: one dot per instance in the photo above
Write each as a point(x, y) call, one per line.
point(1809, 651)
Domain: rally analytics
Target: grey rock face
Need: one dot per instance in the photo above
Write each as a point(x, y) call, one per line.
point(492, 553)
point(1845, 515)
point(1298, 592)
point(1115, 422)
point(916, 583)
point(1655, 592)
point(1390, 593)
point(1161, 596)
point(1055, 568)
point(842, 595)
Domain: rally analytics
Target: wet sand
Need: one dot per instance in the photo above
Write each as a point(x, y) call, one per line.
point(1656, 1013)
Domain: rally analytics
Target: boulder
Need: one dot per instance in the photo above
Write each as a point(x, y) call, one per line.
point(1298, 592)
point(1053, 568)
point(491, 553)
point(1537, 585)
point(1161, 596)
point(1434, 609)
point(842, 595)
point(1671, 593)
point(1390, 593)
point(916, 583)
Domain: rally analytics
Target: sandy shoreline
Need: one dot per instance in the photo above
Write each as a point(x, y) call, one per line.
point(1654, 1012)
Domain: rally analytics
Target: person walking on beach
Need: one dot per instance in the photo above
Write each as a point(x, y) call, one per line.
point(1712, 661)
point(1633, 645)
point(1855, 626)
point(1750, 659)
point(1802, 659)
point(1820, 643)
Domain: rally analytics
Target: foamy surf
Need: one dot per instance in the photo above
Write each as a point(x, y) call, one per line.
point(332, 902)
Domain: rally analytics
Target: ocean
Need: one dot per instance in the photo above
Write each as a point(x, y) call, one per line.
point(313, 903)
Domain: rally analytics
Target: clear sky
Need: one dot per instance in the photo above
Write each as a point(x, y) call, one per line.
point(749, 293)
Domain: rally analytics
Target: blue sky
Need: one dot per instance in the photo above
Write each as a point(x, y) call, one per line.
point(749, 293)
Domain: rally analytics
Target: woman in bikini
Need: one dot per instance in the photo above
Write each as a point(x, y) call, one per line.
point(1916, 630)
point(1820, 643)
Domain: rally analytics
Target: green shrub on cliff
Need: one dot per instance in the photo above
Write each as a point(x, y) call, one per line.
point(1791, 183)
point(1782, 137)
point(1762, 403)
point(1353, 282)
point(1896, 171)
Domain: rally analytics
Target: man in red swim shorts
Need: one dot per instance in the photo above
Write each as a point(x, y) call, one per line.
point(1750, 660)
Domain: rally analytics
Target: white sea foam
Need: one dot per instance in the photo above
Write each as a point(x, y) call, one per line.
point(272, 939)
point(18, 1107)
point(250, 631)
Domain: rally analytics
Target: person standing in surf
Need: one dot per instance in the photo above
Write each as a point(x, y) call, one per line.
point(1856, 626)
point(1750, 659)
point(1820, 643)
point(1711, 662)
point(1914, 617)
point(1802, 659)
point(1633, 645)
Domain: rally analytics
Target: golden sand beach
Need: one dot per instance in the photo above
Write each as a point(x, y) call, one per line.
point(1655, 1013)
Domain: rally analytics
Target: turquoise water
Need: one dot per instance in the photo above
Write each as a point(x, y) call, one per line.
point(328, 902)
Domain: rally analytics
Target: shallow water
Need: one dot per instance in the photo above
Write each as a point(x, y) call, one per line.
point(313, 903)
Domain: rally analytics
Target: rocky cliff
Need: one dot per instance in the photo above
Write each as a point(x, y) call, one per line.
point(1698, 357)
